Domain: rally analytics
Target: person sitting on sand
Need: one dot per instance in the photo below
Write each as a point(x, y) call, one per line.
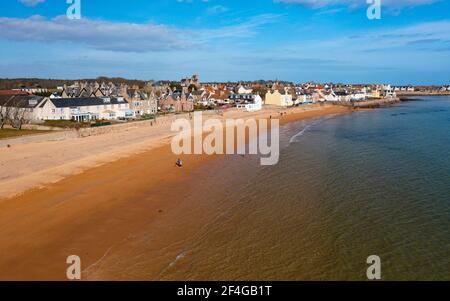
point(179, 163)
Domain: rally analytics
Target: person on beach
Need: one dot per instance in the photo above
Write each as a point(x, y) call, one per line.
point(179, 163)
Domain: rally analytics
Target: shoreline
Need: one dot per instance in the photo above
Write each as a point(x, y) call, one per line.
point(91, 211)
point(32, 162)
point(406, 94)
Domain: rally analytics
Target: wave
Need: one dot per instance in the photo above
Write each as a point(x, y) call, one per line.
point(308, 127)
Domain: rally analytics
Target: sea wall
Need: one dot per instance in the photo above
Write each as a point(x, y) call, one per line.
point(63, 134)
point(161, 121)
point(368, 104)
point(431, 93)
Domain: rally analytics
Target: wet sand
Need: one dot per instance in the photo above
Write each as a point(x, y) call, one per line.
point(89, 213)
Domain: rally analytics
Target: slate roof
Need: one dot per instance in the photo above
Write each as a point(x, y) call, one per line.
point(20, 101)
point(84, 102)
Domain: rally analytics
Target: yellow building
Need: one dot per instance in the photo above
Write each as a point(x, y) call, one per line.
point(277, 99)
point(376, 93)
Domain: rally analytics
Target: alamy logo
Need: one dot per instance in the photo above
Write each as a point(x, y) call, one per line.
point(74, 10)
point(374, 270)
point(73, 271)
point(374, 10)
point(227, 137)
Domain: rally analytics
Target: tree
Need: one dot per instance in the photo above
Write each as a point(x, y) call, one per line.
point(5, 111)
point(261, 91)
point(16, 114)
point(192, 87)
point(174, 86)
point(18, 117)
point(3, 118)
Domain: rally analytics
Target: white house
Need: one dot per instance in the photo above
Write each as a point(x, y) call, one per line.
point(358, 96)
point(55, 95)
point(388, 91)
point(256, 105)
point(328, 95)
point(243, 90)
point(85, 109)
point(303, 98)
point(26, 105)
point(32, 90)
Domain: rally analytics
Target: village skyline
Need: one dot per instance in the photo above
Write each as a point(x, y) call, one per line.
point(52, 82)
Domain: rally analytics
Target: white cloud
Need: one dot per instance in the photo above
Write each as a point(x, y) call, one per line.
point(95, 34)
point(424, 45)
point(31, 2)
point(122, 37)
point(426, 34)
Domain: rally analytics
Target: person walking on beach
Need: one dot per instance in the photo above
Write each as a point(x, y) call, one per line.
point(179, 163)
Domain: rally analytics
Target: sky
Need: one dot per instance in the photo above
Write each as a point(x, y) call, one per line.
point(228, 40)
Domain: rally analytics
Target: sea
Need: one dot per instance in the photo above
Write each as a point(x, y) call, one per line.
point(347, 186)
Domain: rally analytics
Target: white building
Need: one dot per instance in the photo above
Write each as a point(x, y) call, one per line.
point(256, 105)
point(243, 90)
point(85, 109)
point(25, 105)
point(328, 95)
point(388, 91)
point(358, 96)
point(32, 90)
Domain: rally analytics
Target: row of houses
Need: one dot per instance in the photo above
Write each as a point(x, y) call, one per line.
point(36, 108)
point(139, 103)
point(288, 96)
point(185, 95)
point(32, 89)
point(85, 109)
point(136, 103)
point(93, 101)
point(426, 89)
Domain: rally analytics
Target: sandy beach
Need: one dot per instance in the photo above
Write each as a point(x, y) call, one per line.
point(84, 195)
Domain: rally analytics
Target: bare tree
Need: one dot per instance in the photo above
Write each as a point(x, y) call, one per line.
point(14, 112)
point(3, 118)
point(18, 117)
point(5, 111)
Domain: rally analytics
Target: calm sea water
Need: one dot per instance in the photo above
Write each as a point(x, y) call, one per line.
point(346, 187)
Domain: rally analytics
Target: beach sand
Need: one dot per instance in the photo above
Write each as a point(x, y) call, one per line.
point(73, 208)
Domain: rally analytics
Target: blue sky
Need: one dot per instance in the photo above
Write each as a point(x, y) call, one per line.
point(221, 40)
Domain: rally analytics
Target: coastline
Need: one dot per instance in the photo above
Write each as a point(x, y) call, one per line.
point(32, 162)
point(406, 94)
point(90, 210)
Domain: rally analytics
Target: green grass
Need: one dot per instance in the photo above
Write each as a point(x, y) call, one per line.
point(10, 133)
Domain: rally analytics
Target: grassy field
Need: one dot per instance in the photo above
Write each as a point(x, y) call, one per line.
point(9, 133)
